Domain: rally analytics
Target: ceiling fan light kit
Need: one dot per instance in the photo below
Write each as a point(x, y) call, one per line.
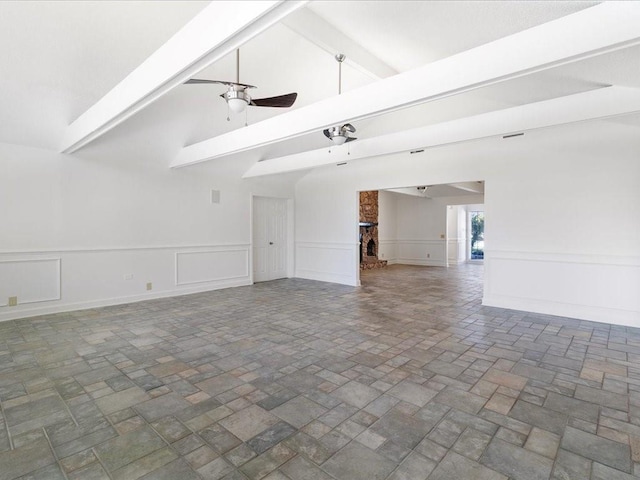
point(340, 135)
point(237, 97)
point(339, 139)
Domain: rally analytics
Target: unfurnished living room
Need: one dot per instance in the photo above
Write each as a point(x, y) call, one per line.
point(319, 240)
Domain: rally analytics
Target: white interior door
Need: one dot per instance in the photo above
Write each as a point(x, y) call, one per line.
point(269, 238)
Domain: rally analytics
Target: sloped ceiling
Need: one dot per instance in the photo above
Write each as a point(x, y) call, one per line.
point(60, 58)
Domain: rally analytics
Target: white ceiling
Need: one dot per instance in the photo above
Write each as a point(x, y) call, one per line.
point(409, 34)
point(60, 58)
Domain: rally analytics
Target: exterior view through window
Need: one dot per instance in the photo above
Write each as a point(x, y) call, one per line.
point(477, 235)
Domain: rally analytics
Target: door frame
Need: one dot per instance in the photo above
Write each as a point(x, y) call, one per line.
point(290, 257)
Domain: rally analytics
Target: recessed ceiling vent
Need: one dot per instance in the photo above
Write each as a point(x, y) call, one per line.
point(511, 135)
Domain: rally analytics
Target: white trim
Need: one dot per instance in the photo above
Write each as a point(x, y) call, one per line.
point(118, 249)
point(563, 257)
point(420, 262)
point(341, 278)
point(327, 245)
point(437, 241)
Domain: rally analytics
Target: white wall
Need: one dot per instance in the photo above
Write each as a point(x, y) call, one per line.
point(422, 224)
point(456, 234)
point(79, 232)
point(562, 211)
point(388, 226)
point(412, 229)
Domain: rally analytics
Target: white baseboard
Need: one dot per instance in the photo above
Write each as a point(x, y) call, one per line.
point(421, 262)
point(327, 277)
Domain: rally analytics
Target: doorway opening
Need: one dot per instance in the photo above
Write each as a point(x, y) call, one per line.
point(426, 226)
point(271, 238)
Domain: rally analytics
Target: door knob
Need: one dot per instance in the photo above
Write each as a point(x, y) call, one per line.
point(270, 243)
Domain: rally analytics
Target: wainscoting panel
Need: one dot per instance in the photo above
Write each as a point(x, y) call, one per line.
point(213, 265)
point(388, 251)
point(76, 279)
point(589, 287)
point(422, 252)
point(327, 262)
point(30, 280)
point(456, 251)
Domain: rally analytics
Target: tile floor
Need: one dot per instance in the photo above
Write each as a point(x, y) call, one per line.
point(408, 377)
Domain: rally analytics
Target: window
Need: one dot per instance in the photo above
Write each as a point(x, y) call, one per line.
point(477, 235)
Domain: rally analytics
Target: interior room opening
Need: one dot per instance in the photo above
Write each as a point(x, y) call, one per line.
point(426, 226)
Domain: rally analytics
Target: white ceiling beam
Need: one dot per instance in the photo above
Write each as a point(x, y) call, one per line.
point(412, 191)
point(473, 187)
point(593, 31)
point(216, 31)
point(325, 36)
point(595, 104)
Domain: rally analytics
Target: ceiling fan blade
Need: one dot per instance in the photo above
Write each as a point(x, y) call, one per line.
point(222, 82)
point(348, 126)
point(350, 139)
point(281, 101)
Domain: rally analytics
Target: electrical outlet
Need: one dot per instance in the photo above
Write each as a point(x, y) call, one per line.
point(149, 286)
point(382, 255)
point(128, 276)
point(428, 255)
point(13, 301)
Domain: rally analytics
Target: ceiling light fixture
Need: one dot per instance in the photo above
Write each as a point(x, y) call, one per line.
point(338, 139)
point(340, 135)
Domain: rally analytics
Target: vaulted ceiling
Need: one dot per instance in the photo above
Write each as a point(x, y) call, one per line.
point(80, 76)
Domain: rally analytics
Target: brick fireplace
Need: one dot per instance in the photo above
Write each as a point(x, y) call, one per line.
point(369, 246)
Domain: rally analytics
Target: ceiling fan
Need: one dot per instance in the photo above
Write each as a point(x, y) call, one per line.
point(237, 97)
point(340, 134)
